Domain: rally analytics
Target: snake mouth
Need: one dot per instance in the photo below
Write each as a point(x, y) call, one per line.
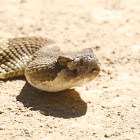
point(77, 72)
point(96, 69)
point(81, 68)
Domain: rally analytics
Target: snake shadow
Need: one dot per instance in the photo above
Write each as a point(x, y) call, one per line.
point(65, 104)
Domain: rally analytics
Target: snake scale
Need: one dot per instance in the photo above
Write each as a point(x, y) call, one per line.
point(44, 65)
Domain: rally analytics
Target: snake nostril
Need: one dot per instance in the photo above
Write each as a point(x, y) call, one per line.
point(94, 69)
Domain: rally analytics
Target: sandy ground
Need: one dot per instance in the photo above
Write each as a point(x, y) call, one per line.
point(106, 108)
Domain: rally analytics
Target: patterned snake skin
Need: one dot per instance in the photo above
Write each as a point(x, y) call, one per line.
point(16, 53)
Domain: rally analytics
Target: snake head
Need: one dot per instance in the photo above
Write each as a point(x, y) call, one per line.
point(61, 71)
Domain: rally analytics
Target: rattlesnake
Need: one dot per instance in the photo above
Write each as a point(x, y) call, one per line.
point(44, 65)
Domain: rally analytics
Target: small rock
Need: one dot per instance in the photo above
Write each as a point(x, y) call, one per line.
point(105, 87)
point(26, 132)
point(113, 52)
point(29, 115)
point(132, 127)
point(1, 112)
point(108, 59)
point(2, 128)
point(109, 72)
point(108, 115)
point(89, 102)
point(97, 47)
point(107, 135)
point(119, 113)
point(9, 108)
point(103, 106)
point(94, 133)
point(133, 105)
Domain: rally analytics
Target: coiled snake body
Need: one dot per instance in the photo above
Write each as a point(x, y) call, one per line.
point(44, 65)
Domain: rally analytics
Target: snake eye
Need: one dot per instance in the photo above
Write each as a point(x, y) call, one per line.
point(75, 71)
point(63, 60)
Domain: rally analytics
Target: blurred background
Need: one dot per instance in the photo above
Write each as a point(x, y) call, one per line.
point(109, 106)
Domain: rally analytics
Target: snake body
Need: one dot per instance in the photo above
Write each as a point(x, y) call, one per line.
point(44, 65)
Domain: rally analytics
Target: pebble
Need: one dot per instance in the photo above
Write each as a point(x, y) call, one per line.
point(133, 105)
point(132, 127)
point(29, 115)
point(108, 59)
point(119, 113)
point(89, 102)
point(108, 115)
point(107, 135)
point(1, 112)
point(105, 87)
point(9, 108)
point(97, 48)
point(2, 128)
point(103, 106)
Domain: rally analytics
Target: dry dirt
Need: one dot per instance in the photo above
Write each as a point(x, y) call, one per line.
point(106, 108)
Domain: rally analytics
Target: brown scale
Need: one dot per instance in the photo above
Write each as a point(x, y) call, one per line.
point(18, 52)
